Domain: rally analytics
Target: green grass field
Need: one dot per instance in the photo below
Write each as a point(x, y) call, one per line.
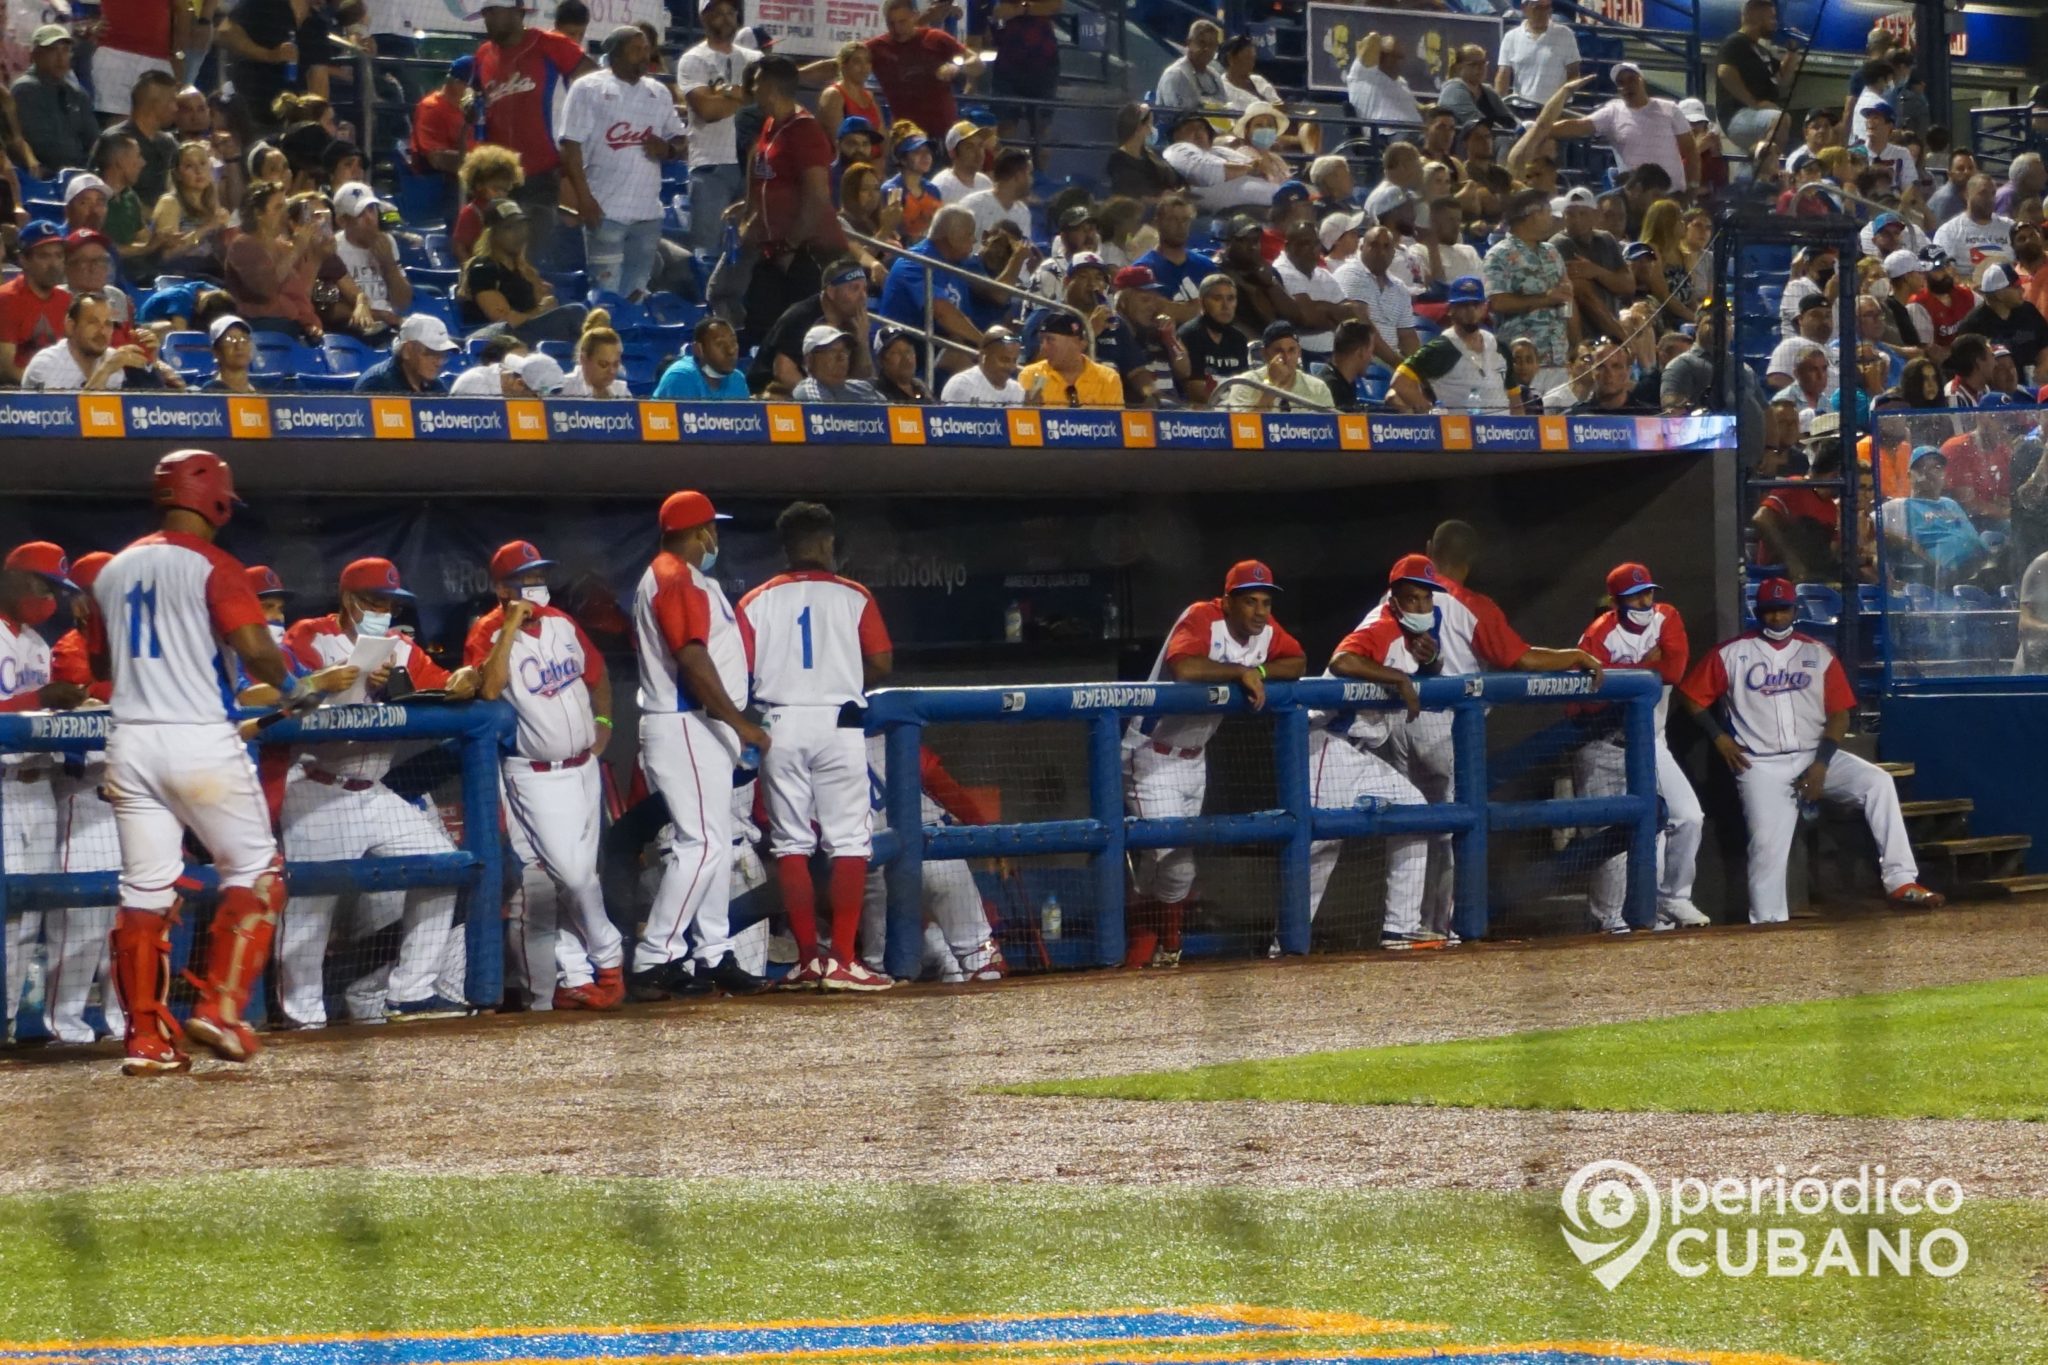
point(1951, 1052)
point(290, 1252)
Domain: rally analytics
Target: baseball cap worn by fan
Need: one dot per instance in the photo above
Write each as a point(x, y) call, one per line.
point(1077, 215)
point(854, 123)
point(1466, 289)
point(224, 324)
point(1926, 453)
point(1060, 325)
point(40, 231)
point(541, 373)
point(688, 510)
point(463, 69)
point(823, 335)
point(1249, 575)
point(1579, 197)
point(959, 133)
point(353, 198)
point(1136, 277)
point(429, 332)
point(1695, 111)
point(373, 575)
point(1614, 72)
point(1278, 331)
point(517, 557)
point(85, 236)
point(1998, 275)
point(79, 184)
point(44, 560)
point(1900, 264)
point(49, 35)
point(1336, 225)
point(1291, 192)
point(1624, 579)
point(1086, 260)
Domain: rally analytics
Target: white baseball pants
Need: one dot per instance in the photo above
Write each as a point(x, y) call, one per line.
point(1162, 786)
point(816, 776)
point(166, 779)
point(1601, 769)
point(555, 819)
point(80, 953)
point(325, 823)
point(1340, 775)
point(689, 759)
point(28, 825)
point(1771, 807)
point(1422, 748)
point(952, 905)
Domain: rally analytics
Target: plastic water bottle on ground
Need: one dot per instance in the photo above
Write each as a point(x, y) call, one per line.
point(1049, 918)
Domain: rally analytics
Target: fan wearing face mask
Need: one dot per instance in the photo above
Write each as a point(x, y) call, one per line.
point(341, 811)
point(536, 657)
point(1641, 632)
point(1786, 700)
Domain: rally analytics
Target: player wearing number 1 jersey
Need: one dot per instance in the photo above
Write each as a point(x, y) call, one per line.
point(818, 643)
point(171, 606)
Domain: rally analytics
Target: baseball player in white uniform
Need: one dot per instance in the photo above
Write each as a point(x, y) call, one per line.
point(80, 956)
point(693, 686)
point(1641, 632)
point(1471, 635)
point(817, 643)
point(1231, 639)
point(957, 942)
point(170, 606)
point(1787, 703)
point(30, 579)
point(1343, 770)
point(339, 810)
point(536, 657)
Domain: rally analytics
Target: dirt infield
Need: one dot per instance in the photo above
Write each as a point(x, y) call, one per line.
point(889, 1087)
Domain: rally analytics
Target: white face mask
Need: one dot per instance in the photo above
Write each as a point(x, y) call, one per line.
point(1781, 633)
point(276, 631)
point(536, 593)
point(1420, 622)
point(1640, 617)
point(374, 624)
point(1264, 138)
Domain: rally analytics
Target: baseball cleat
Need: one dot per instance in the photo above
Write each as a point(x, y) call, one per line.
point(1684, 914)
point(149, 1055)
point(1616, 930)
point(731, 978)
point(431, 1007)
point(231, 1041)
point(1164, 957)
point(854, 976)
point(806, 976)
point(1403, 939)
point(1913, 896)
point(608, 992)
point(576, 997)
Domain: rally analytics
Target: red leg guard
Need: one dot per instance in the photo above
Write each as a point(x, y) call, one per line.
point(1170, 917)
point(237, 946)
point(799, 902)
point(141, 950)
point(849, 884)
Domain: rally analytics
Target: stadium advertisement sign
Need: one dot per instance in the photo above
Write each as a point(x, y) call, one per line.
point(321, 418)
point(39, 414)
point(593, 420)
point(1431, 38)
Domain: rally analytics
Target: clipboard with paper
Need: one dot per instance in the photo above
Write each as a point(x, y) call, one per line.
point(371, 653)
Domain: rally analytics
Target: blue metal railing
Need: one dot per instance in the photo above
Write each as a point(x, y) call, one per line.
point(1292, 823)
point(480, 732)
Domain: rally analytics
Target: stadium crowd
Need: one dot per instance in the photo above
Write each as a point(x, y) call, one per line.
point(839, 231)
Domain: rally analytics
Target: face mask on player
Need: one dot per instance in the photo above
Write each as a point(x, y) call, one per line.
point(374, 623)
point(1419, 622)
point(1777, 633)
point(276, 631)
point(536, 593)
point(1640, 617)
point(710, 558)
point(37, 610)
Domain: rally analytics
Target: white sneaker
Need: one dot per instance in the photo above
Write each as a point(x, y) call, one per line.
point(1683, 913)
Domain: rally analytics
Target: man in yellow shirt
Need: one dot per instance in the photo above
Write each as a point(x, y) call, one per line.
point(1065, 376)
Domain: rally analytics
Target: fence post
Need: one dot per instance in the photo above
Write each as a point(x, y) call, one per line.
point(1106, 805)
point(1290, 779)
point(1468, 778)
point(903, 803)
point(483, 896)
point(1639, 730)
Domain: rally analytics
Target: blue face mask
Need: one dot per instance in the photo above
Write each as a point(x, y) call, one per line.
point(710, 558)
point(374, 624)
point(1264, 138)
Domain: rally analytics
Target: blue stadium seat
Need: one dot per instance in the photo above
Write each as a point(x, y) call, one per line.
point(278, 354)
point(425, 299)
point(1819, 603)
point(562, 351)
point(190, 354)
point(348, 355)
point(666, 310)
point(426, 274)
point(422, 199)
point(569, 284)
point(440, 254)
point(1972, 598)
point(627, 316)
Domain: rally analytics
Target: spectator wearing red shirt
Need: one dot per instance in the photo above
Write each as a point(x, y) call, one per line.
point(916, 68)
point(1027, 64)
point(442, 131)
point(1947, 299)
point(33, 303)
point(792, 227)
point(1980, 469)
point(522, 73)
point(1801, 527)
point(136, 36)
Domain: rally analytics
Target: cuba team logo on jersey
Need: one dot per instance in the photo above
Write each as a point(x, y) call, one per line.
point(550, 677)
point(1772, 682)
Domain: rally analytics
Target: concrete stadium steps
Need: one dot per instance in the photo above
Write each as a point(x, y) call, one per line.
point(1954, 859)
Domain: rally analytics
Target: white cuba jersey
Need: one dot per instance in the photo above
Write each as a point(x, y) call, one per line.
point(608, 119)
point(165, 603)
point(677, 605)
point(322, 642)
point(930, 812)
point(24, 671)
point(808, 633)
point(1472, 632)
point(1202, 632)
point(1777, 694)
point(552, 665)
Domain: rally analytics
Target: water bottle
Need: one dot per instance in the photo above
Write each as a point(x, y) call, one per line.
point(1371, 804)
point(1112, 619)
point(1013, 623)
point(750, 757)
point(1049, 918)
point(1809, 811)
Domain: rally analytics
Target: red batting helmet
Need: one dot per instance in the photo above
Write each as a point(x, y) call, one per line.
point(198, 481)
point(86, 568)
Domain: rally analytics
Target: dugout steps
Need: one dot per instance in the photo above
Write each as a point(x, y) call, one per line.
point(1954, 858)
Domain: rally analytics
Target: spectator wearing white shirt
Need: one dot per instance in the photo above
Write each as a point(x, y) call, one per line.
point(967, 146)
point(1462, 369)
point(1819, 135)
point(1877, 83)
point(515, 376)
point(1886, 155)
point(1977, 234)
point(1536, 56)
point(384, 294)
point(1078, 233)
point(1217, 179)
point(1320, 302)
point(1193, 81)
point(85, 360)
point(598, 354)
point(1887, 233)
point(1369, 278)
point(1801, 285)
point(617, 127)
point(1816, 330)
point(1441, 253)
point(1004, 201)
point(992, 380)
point(1379, 92)
point(1400, 180)
point(709, 76)
point(1643, 129)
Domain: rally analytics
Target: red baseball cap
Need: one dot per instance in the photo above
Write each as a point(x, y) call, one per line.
point(264, 582)
point(373, 575)
point(87, 568)
point(85, 236)
point(687, 509)
point(44, 560)
point(1624, 579)
point(1776, 592)
point(516, 557)
point(1249, 575)
point(1415, 569)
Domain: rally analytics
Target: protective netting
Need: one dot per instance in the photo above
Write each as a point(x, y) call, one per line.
point(1551, 881)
